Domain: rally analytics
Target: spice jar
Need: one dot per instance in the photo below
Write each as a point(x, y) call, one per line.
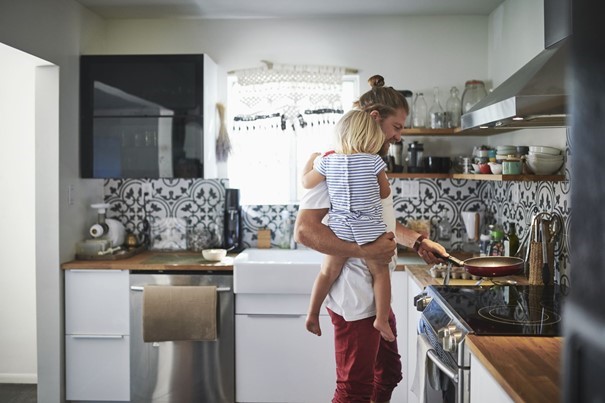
point(474, 91)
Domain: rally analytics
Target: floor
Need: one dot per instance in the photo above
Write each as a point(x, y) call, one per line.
point(18, 393)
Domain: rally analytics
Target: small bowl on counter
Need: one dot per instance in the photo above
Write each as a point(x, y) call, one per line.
point(214, 255)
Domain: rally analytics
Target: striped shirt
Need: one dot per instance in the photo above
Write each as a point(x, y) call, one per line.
point(356, 211)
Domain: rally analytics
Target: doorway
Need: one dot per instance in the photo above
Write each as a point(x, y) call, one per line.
point(29, 178)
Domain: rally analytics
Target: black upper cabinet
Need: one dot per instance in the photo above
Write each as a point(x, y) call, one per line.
point(147, 116)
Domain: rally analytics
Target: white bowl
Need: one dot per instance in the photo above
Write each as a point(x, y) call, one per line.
point(545, 150)
point(538, 155)
point(495, 167)
point(544, 167)
point(215, 255)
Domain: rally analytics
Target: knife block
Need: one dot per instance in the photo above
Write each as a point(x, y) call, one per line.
point(536, 262)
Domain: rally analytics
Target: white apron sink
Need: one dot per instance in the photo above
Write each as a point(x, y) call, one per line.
point(275, 271)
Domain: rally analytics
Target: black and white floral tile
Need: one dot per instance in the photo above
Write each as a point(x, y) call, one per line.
point(173, 205)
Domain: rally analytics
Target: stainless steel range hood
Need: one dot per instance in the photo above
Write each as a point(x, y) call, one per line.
point(535, 96)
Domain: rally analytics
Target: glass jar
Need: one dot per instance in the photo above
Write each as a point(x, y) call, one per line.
point(436, 115)
point(453, 107)
point(419, 111)
point(474, 91)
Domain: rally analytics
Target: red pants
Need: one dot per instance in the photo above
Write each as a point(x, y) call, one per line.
point(368, 367)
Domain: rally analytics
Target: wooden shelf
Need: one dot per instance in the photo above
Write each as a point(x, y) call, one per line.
point(481, 177)
point(455, 132)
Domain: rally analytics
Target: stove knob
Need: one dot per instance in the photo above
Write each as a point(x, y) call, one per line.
point(450, 343)
point(422, 302)
point(446, 331)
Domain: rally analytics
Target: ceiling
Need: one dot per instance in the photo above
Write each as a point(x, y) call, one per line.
point(284, 8)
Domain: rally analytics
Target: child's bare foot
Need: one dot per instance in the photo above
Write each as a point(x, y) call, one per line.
point(312, 324)
point(384, 329)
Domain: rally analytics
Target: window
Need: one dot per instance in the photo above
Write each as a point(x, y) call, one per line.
point(266, 162)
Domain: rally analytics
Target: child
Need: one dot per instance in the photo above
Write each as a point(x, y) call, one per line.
point(356, 180)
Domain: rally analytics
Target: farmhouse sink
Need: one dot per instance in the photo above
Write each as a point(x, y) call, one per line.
point(275, 271)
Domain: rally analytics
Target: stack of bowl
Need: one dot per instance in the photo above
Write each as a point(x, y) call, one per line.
point(502, 152)
point(543, 160)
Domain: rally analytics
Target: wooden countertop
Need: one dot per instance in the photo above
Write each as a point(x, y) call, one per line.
point(153, 260)
point(421, 275)
point(528, 368)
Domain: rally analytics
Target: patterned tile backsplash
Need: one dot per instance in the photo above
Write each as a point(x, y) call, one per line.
point(174, 205)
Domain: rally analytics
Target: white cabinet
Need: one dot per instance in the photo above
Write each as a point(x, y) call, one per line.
point(399, 298)
point(413, 316)
point(276, 359)
point(484, 388)
point(97, 329)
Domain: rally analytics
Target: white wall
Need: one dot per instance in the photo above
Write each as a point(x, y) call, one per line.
point(411, 53)
point(50, 30)
point(17, 204)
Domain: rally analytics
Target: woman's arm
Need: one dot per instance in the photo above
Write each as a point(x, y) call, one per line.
point(383, 183)
point(311, 232)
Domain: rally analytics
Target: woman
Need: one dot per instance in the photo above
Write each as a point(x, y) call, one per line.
point(368, 368)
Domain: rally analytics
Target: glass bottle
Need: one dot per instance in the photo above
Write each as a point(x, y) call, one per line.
point(474, 91)
point(453, 107)
point(419, 111)
point(511, 242)
point(436, 112)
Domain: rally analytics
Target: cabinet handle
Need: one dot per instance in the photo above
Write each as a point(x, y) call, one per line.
point(219, 289)
point(273, 315)
point(97, 336)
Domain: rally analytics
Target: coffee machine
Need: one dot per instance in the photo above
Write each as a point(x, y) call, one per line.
point(232, 221)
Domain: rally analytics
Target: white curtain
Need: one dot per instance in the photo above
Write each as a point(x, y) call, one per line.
point(287, 97)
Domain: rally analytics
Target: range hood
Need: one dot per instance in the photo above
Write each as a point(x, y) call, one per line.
point(535, 96)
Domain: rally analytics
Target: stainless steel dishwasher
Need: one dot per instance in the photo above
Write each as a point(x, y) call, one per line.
point(183, 371)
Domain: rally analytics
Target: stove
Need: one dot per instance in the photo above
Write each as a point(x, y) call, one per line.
point(451, 313)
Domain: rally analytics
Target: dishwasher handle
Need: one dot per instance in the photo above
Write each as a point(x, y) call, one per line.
point(218, 289)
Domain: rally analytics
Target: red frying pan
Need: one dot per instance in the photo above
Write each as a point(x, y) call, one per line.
point(489, 266)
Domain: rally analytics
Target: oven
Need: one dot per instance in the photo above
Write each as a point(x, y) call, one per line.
point(449, 314)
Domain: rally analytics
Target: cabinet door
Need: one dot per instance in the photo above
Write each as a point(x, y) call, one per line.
point(97, 368)
point(277, 360)
point(97, 302)
point(399, 297)
point(413, 318)
point(484, 387)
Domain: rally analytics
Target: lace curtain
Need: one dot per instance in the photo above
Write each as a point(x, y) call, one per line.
point(287, 97)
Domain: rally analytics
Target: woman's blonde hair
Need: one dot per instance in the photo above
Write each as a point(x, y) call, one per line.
point(358, 132)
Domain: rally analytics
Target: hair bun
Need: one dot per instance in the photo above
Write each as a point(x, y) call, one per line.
point(376, 81)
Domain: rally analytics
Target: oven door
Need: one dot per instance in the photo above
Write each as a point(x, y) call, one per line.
point(445, 380)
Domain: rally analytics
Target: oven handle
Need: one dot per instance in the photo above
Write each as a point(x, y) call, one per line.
point(218, 289)
point(444, 368)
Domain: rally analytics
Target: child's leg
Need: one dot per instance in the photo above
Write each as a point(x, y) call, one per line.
point(382, 296)
point(330, 270)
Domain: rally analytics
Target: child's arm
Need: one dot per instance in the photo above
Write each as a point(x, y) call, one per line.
point(383, 183)
point(310, 177)
point(309, 164)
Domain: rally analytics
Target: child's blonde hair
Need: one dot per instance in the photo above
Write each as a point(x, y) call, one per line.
point(358, 132)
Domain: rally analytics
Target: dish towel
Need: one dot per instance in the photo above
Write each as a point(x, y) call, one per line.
point(427, 375)
point(174, 313)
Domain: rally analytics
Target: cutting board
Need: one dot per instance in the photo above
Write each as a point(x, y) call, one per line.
point(459, 281)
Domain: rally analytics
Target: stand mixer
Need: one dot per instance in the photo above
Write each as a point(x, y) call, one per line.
point(107, 228)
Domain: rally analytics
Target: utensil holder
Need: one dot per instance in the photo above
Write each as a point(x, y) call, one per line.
point(536, 262)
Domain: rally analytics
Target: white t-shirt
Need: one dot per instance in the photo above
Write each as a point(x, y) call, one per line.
point(351, 295)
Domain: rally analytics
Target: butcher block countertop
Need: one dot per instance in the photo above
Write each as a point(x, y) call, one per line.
point(153, 260)
point(421, 275)
point(527, 368)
